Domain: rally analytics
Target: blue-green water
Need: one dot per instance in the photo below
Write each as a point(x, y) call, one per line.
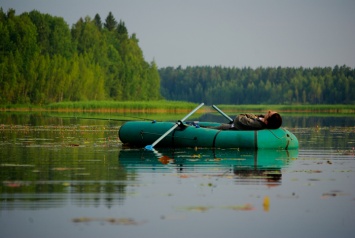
point(72, 178)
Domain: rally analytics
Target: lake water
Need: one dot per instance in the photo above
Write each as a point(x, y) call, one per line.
point(70, 177)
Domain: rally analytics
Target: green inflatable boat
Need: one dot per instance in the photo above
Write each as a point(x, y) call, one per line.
point(192, 134)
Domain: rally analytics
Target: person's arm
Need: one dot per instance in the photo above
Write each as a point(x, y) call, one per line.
point(248, 122)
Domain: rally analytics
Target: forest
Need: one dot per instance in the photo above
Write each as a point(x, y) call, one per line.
point(43, 60)
point(221, 85)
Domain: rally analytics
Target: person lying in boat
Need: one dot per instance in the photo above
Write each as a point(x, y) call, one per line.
point(271, 120)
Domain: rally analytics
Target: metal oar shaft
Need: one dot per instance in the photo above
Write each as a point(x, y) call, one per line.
point(176, 125)
point(223, 114)
point(163, 136)
point(192, 112)
point(150, 147)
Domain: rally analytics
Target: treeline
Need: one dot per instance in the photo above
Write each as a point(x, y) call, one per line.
point(219, 85)
point(43, 60)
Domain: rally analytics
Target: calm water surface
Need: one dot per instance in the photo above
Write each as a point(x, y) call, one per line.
point(72, 178)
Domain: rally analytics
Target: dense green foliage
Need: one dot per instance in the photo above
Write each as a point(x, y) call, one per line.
point(43, 60)
point(219, 85)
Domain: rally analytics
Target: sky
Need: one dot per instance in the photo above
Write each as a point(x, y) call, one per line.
point(228, 33)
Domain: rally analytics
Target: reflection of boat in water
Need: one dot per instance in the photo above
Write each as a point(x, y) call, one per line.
point(242, 163)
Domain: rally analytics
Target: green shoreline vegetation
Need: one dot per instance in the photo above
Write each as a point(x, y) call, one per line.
point(297, 108)
point(105, 106)
point(163, 106)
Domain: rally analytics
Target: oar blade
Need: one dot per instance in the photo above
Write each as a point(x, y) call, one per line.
point(149, 147)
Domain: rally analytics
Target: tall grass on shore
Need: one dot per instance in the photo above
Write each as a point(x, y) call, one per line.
point(320, 108)
point(173, 107)
point(126, 106)
point(105, 106)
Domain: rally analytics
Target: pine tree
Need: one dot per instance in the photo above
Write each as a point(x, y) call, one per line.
point(121, 28)
point(97, 21)
point(110, 22)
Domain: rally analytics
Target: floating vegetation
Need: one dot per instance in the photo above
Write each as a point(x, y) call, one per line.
point(196, 208)
point(110, 220)
point(334, 193)
point(245, 207)
point(310, 171)
point(74, 136)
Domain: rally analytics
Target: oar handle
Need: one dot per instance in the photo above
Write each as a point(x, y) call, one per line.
point(223, 114)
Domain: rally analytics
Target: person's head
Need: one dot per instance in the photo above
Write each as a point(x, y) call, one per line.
point(272, 120)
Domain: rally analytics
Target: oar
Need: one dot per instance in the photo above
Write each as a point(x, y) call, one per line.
point(150, 147)
point(223, 114)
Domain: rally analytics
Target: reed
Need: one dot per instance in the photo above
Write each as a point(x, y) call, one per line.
point(121, 117)
point(175, 107)
point(123, 106)
point(320, 108)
